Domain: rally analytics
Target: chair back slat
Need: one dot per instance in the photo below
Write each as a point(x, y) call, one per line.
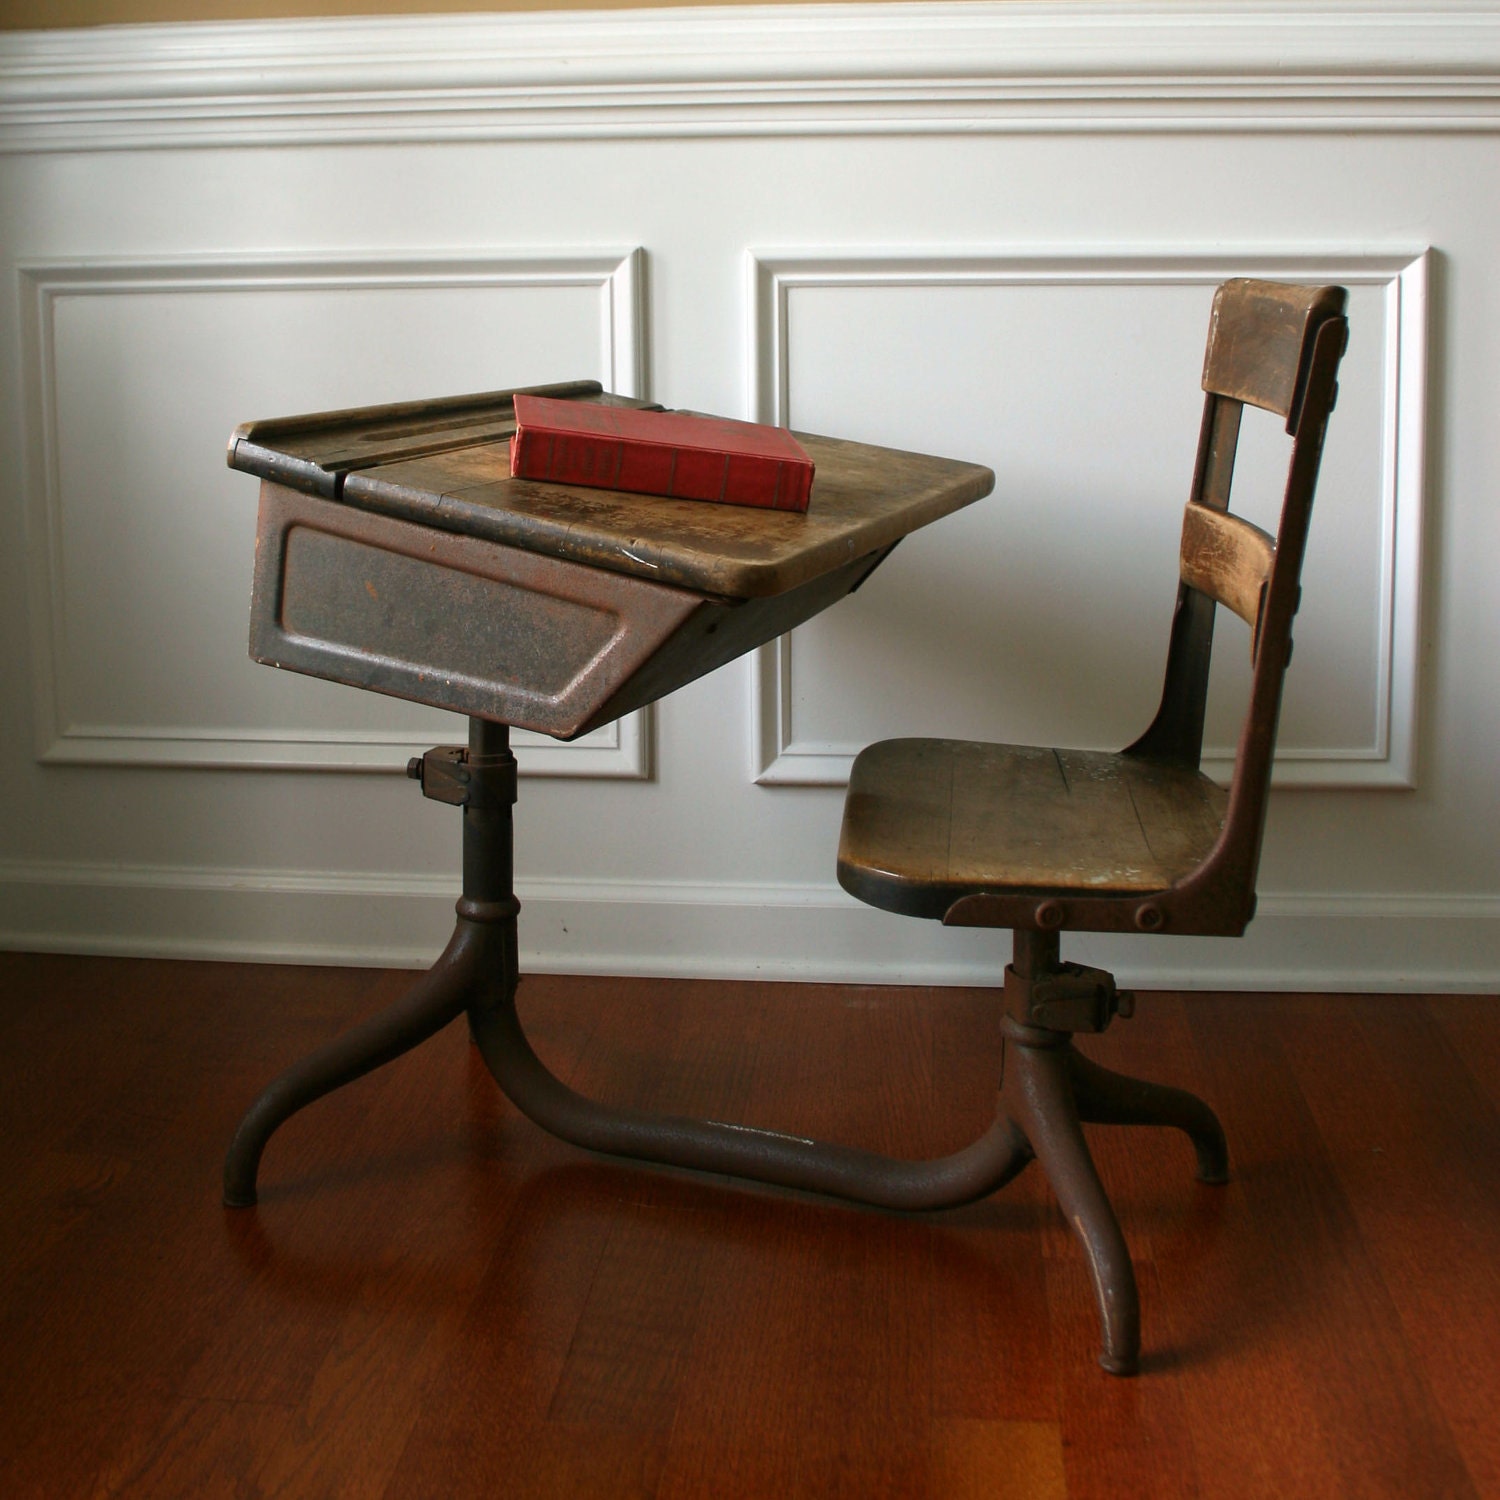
point(1258, 346)
point(1229, 559)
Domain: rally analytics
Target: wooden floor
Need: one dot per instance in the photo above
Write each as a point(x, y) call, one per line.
point(434, 1299)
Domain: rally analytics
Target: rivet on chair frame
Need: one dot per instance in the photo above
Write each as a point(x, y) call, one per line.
point(1149, 917)
point(1049, 915)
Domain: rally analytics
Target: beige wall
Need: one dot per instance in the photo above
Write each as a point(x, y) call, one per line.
point(18, 15)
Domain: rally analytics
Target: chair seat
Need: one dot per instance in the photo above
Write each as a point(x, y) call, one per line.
point(928, 821)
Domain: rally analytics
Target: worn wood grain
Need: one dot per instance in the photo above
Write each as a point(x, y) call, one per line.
point(1036, 838)
point(445, 464)
point(864, 498)
point(928, 821)
point(1255, 333)
point(1227, 558)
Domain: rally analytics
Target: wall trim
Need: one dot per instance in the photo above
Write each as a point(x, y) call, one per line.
point(1346, 941)
point(781, 758)
point(618, 751)
point(621, 750)
point(994, 65)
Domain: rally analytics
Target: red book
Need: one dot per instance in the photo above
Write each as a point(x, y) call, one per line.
point(660, 453)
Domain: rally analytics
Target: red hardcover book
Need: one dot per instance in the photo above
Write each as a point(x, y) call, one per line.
point(672, 453)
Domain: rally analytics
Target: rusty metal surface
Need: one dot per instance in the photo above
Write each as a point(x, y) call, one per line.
point(439, 997)
point(446, 620)
point(726, 628)
point(394, 553)
point(487, 630)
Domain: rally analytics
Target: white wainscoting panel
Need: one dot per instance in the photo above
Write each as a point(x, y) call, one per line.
point(985, 229)
point(1048, 606)
point(136, 374)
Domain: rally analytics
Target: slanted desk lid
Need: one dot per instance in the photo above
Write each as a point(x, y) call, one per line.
point(446, 464)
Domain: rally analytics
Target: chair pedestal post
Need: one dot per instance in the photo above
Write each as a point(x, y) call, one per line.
point(1050, 1090)
point(1037, 1093)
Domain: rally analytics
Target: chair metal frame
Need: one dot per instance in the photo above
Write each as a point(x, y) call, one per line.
point(1273, 346)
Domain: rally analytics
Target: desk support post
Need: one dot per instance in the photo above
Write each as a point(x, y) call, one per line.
point(489, 796)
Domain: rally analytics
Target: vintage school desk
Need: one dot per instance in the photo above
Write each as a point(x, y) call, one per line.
point(394, 552)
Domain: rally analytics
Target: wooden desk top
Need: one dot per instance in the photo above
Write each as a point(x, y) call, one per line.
point(446, 464)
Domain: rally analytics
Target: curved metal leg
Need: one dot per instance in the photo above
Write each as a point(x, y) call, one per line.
point(1038, 1092)
point(1105, 1097)
point(437, 998)
point(713, 1146)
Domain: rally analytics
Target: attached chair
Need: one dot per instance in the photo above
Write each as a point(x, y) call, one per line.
point(1045, 841)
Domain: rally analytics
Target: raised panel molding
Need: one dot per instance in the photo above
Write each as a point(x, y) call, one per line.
point(1000, 66)
point(616, 279)
point(780, 757)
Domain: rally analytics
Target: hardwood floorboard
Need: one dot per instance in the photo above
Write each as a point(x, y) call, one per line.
point(737, 1425)
point(204, 1449)
point(1122, 1439)
point(628, 1360)
point(979, 1459)
point(434, 1298)
point(1467, 1024)
point(1399, 1121)
point(992, 1352)
point(483, 1427)
point(1249, 1400)
point(1376, 1416)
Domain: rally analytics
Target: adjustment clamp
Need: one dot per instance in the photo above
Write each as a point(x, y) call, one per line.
point(1072, 997)
point(447, 775)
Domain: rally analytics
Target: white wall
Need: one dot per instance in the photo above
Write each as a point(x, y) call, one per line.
point(989, 231)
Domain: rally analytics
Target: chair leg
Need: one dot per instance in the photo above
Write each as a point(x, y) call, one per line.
point(1038, 1094)
point(1105, 1097)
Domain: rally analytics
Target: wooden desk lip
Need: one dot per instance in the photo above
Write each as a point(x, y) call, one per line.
point(871, 496)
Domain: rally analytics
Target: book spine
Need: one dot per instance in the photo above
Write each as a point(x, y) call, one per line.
point(656, 469)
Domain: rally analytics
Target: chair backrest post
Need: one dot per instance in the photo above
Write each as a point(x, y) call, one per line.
point(1238, 848)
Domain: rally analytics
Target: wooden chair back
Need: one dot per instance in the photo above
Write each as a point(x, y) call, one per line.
point(1276, 347)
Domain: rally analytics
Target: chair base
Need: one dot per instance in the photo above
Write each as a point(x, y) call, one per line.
point(1050, 1090)
point(1047, 1087)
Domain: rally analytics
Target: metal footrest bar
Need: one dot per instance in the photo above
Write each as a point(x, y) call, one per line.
point(735, 1150)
